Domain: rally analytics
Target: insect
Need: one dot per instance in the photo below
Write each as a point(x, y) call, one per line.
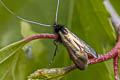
point(76, 47)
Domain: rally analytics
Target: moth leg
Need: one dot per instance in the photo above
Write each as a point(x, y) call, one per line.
point(56, 47)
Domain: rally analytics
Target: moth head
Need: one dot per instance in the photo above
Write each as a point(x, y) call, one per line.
point(57, 28)
point(60, 28)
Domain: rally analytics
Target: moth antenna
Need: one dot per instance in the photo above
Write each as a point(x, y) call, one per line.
point(56, 47)
point(20, 18)
point(56, 17)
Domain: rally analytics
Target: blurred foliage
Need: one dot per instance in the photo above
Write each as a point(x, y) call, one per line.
point(88, 19)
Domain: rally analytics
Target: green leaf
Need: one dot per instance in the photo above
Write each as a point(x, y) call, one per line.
point(10, 50)
point(7, 68)
point(8, 59)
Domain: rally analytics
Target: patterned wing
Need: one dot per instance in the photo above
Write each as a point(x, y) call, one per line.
point(75, 48)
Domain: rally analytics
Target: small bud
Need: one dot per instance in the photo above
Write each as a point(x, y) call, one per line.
point(45, 74)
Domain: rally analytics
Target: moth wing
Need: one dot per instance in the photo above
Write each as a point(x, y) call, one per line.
point(86, 47)
point(77, 48)
point(78, 59)
point(77, 53)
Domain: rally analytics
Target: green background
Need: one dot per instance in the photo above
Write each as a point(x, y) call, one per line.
point(88, 19)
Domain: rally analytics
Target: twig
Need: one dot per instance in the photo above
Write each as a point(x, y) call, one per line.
point(38, 36)
point(116, 71)
point(115, 19)
point(107, 56)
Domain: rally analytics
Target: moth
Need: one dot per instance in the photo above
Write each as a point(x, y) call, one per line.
point(77, 48)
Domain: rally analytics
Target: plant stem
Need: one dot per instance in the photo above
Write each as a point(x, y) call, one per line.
point(39, 36)
point(116, 71)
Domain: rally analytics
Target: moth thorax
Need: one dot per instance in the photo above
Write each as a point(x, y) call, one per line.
point(59, 28)
point(64, 31)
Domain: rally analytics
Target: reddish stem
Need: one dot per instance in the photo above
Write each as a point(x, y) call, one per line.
point(38, 36)
point(115, 19)
point(70, 68)
point(116, 71)
point(109, 55)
